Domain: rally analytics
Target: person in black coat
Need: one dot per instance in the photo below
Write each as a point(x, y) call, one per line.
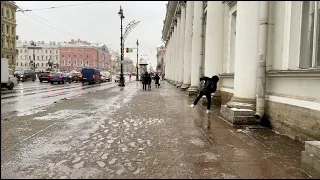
point(157, 80)
point(210, 86)
point(145, 81)
point(149, 82)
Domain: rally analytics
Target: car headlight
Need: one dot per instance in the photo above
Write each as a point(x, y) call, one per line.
point(21, 75)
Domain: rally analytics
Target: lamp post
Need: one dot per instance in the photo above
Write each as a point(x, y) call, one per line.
point(137, 75)
point(121, 81)
point(34, 56)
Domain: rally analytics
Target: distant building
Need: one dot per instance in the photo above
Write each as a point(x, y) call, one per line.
point(45, 53)
point(161, 51)
point(75, 55)
point(8, 32)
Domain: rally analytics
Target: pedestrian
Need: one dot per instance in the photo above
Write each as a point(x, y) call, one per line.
point(130, 76)
point(145, 80)
point(210, 86)
point(157, 80)
point(149, 82)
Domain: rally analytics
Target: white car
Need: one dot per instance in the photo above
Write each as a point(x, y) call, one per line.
point(13, 81)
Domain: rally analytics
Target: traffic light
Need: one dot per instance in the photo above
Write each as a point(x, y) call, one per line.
point(127, 50)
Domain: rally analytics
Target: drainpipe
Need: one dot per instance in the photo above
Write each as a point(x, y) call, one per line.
point(261, 74)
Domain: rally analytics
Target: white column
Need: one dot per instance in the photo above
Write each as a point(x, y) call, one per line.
point(169, 62)
point(196, 46)
point(166, 59)
point(246, 53)
point(187, 46)
point(173, 52)
point(181, 45)
point(177, 50)
point(214, 38)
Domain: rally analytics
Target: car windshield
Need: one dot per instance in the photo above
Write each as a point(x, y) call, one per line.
point(56, 74)
point(19, 72)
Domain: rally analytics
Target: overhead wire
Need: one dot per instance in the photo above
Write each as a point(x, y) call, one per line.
point(25, 10)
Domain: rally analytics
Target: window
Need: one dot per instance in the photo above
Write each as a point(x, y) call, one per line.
point(69, 55)
point(75, 50)
point(37, 57)
point(46, 51)
point(62, 55)
point(2, 11)
point(50, 51)
point(25, 51)
point(87, 62)
point(8, 14)
point(29, 57)
point(69, 62)
point(87, 50)
point(8, 29)
point(12, 15)
point(42, 58)
point(41, 64)
point(81, 56)
point(56, 51)
point(75, 56)
point(80, 50)
point(25, 64)
point(87, 56)
point(17, 64)
point(21, 64)
point(46, 64)
point(81, 62)
point(75, 62)
point(12, 30)
point(310, 35)
point(69, 50)
point(46, 58)
point(57, 57)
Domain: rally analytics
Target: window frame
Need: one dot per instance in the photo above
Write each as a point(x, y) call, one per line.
point(315, 37)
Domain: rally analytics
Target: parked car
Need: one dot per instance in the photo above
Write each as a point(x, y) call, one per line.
point(90, 75)
point(44, 76)
point(25, 75)
point(76, 76)
point(106, 76)
point(57, 77)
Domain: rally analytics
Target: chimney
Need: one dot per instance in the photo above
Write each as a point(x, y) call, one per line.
point(42, 42)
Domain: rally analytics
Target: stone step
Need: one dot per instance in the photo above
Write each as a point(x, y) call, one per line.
point(313, 147)
point(247, 120)
point(311, 164)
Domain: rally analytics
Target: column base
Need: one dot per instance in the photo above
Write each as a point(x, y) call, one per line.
point(238, 116)
point(184, 87)
point(242, 103)
point(179, 84)
point(193, 91)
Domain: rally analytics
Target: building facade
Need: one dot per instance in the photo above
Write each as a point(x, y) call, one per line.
point(160, 59)
point(44, 55)
point(8, 32)
point(266, 54)
point(75, 55)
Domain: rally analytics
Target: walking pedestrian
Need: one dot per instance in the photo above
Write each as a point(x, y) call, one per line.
point(145, 80)
point(157, 80)
point(149, 82)
point(210, 86)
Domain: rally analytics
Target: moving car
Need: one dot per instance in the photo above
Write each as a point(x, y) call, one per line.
point(118, 78)
point(67, 77)
point(76, 76)
point(44, 76)
point(90, 75)
point(106, 76)
point(57, 77)
point(8, 79)
point(25, 75)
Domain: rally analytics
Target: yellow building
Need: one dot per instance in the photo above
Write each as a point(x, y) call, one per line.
point(8, 32)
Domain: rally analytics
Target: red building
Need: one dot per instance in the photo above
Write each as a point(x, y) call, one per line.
point(80, 54)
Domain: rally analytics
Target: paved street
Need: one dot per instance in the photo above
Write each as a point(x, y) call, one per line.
point(29, 97)
point(115, 132)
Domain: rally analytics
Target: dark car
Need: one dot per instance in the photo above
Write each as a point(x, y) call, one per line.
point(25, 75)
point(90, 75)
point(76, 76)
point(44, 76)
point(57, 77)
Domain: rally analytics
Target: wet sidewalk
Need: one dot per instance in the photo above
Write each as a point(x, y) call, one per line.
point(131, 133)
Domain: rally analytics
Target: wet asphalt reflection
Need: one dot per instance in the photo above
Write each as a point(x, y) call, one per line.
point(29, 97)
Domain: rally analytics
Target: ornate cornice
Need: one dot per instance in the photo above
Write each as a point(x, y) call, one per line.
point(230, 3)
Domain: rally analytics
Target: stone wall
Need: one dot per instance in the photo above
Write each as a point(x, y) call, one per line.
point(225, 97)
point(298, 123)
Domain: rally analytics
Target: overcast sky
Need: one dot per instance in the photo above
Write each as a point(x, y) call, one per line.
point(97, 22)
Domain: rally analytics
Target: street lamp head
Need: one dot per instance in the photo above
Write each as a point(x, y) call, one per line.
point(121, 13)
point(137, 42)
